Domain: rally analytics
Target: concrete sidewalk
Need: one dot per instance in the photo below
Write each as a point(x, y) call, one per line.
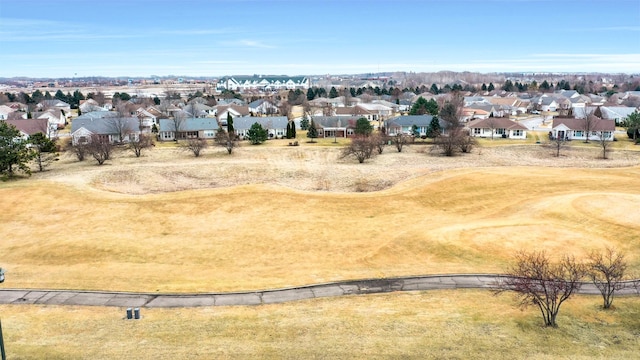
point(350, 287)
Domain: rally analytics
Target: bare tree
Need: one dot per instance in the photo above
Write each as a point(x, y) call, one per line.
point(379, 140)
point(284, 108)
point(195, 146)
point(590, 121)
point(400, 140)
point(120, 126)
point(100, 148)
point(100, 98)
point(557, 143)
point(454, 136)
point(539, 282)
point(607, 272)
point(226, 140)
point(143, 141)
point(491, 122)
point(80, 150)
point(466, 142)
point(177, 121)
point(605, 143)
point(361, 147)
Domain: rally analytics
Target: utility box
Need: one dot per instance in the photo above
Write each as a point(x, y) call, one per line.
point(136, 313)
point(129, 314)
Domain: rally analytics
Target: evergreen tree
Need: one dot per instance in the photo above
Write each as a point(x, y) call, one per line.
point(434, 127)
point(484, 87)
point(304, 123)
point(415, 131)
point(352, 91)
point(257, 134)
point(60, 96)
point(491, 87)
point(44, 150)
point(37, 96)
point(289, 130)
point(230, 128)
point(293, 129)
point(545, 86)
point(47, 96)
point(311, 94)
point(333, 93)
point(14, 152)
point(312, 133)
point(508, 86)
point(419, 107)
point(363, 127)
point(434, 89)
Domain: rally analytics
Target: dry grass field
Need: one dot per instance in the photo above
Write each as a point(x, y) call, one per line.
point(451, 324)
point(278, 216)
point(275, 216)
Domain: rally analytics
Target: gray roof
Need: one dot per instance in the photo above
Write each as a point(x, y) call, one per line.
point(410, 120)
point(105, 125)
point(335, 121)
point(189, 124)
point(269, 122)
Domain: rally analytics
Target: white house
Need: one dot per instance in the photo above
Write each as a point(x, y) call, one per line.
point(497, 128)
point(575, 129)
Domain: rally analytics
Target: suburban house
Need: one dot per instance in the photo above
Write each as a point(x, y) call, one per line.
point(262, 107)
point(222, 111)
point(90, 105)
point(28, 127)
point(189, 128)
point(575, 129)
point(55, 117)
point(105, 124)
point(617, 113)
point(405, 124)
point(56, 104)
point(335, 126)
point(198, 110)
point(5, 111)
point(497, 127)
point(276, 126)
point(147, 119)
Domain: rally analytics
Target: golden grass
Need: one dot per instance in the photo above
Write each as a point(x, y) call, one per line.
point(261, 236)
point(457, 324)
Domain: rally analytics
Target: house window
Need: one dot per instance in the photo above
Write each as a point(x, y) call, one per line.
point(499, 131)
point(329, 133)
point(606, 134)
point(208, 133)
point(578, 133)
point(517, 132)
point(477, 131)
point(192, 134)
point(350, 132)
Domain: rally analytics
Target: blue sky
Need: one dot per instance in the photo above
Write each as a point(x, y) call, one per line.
point(68, 38)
